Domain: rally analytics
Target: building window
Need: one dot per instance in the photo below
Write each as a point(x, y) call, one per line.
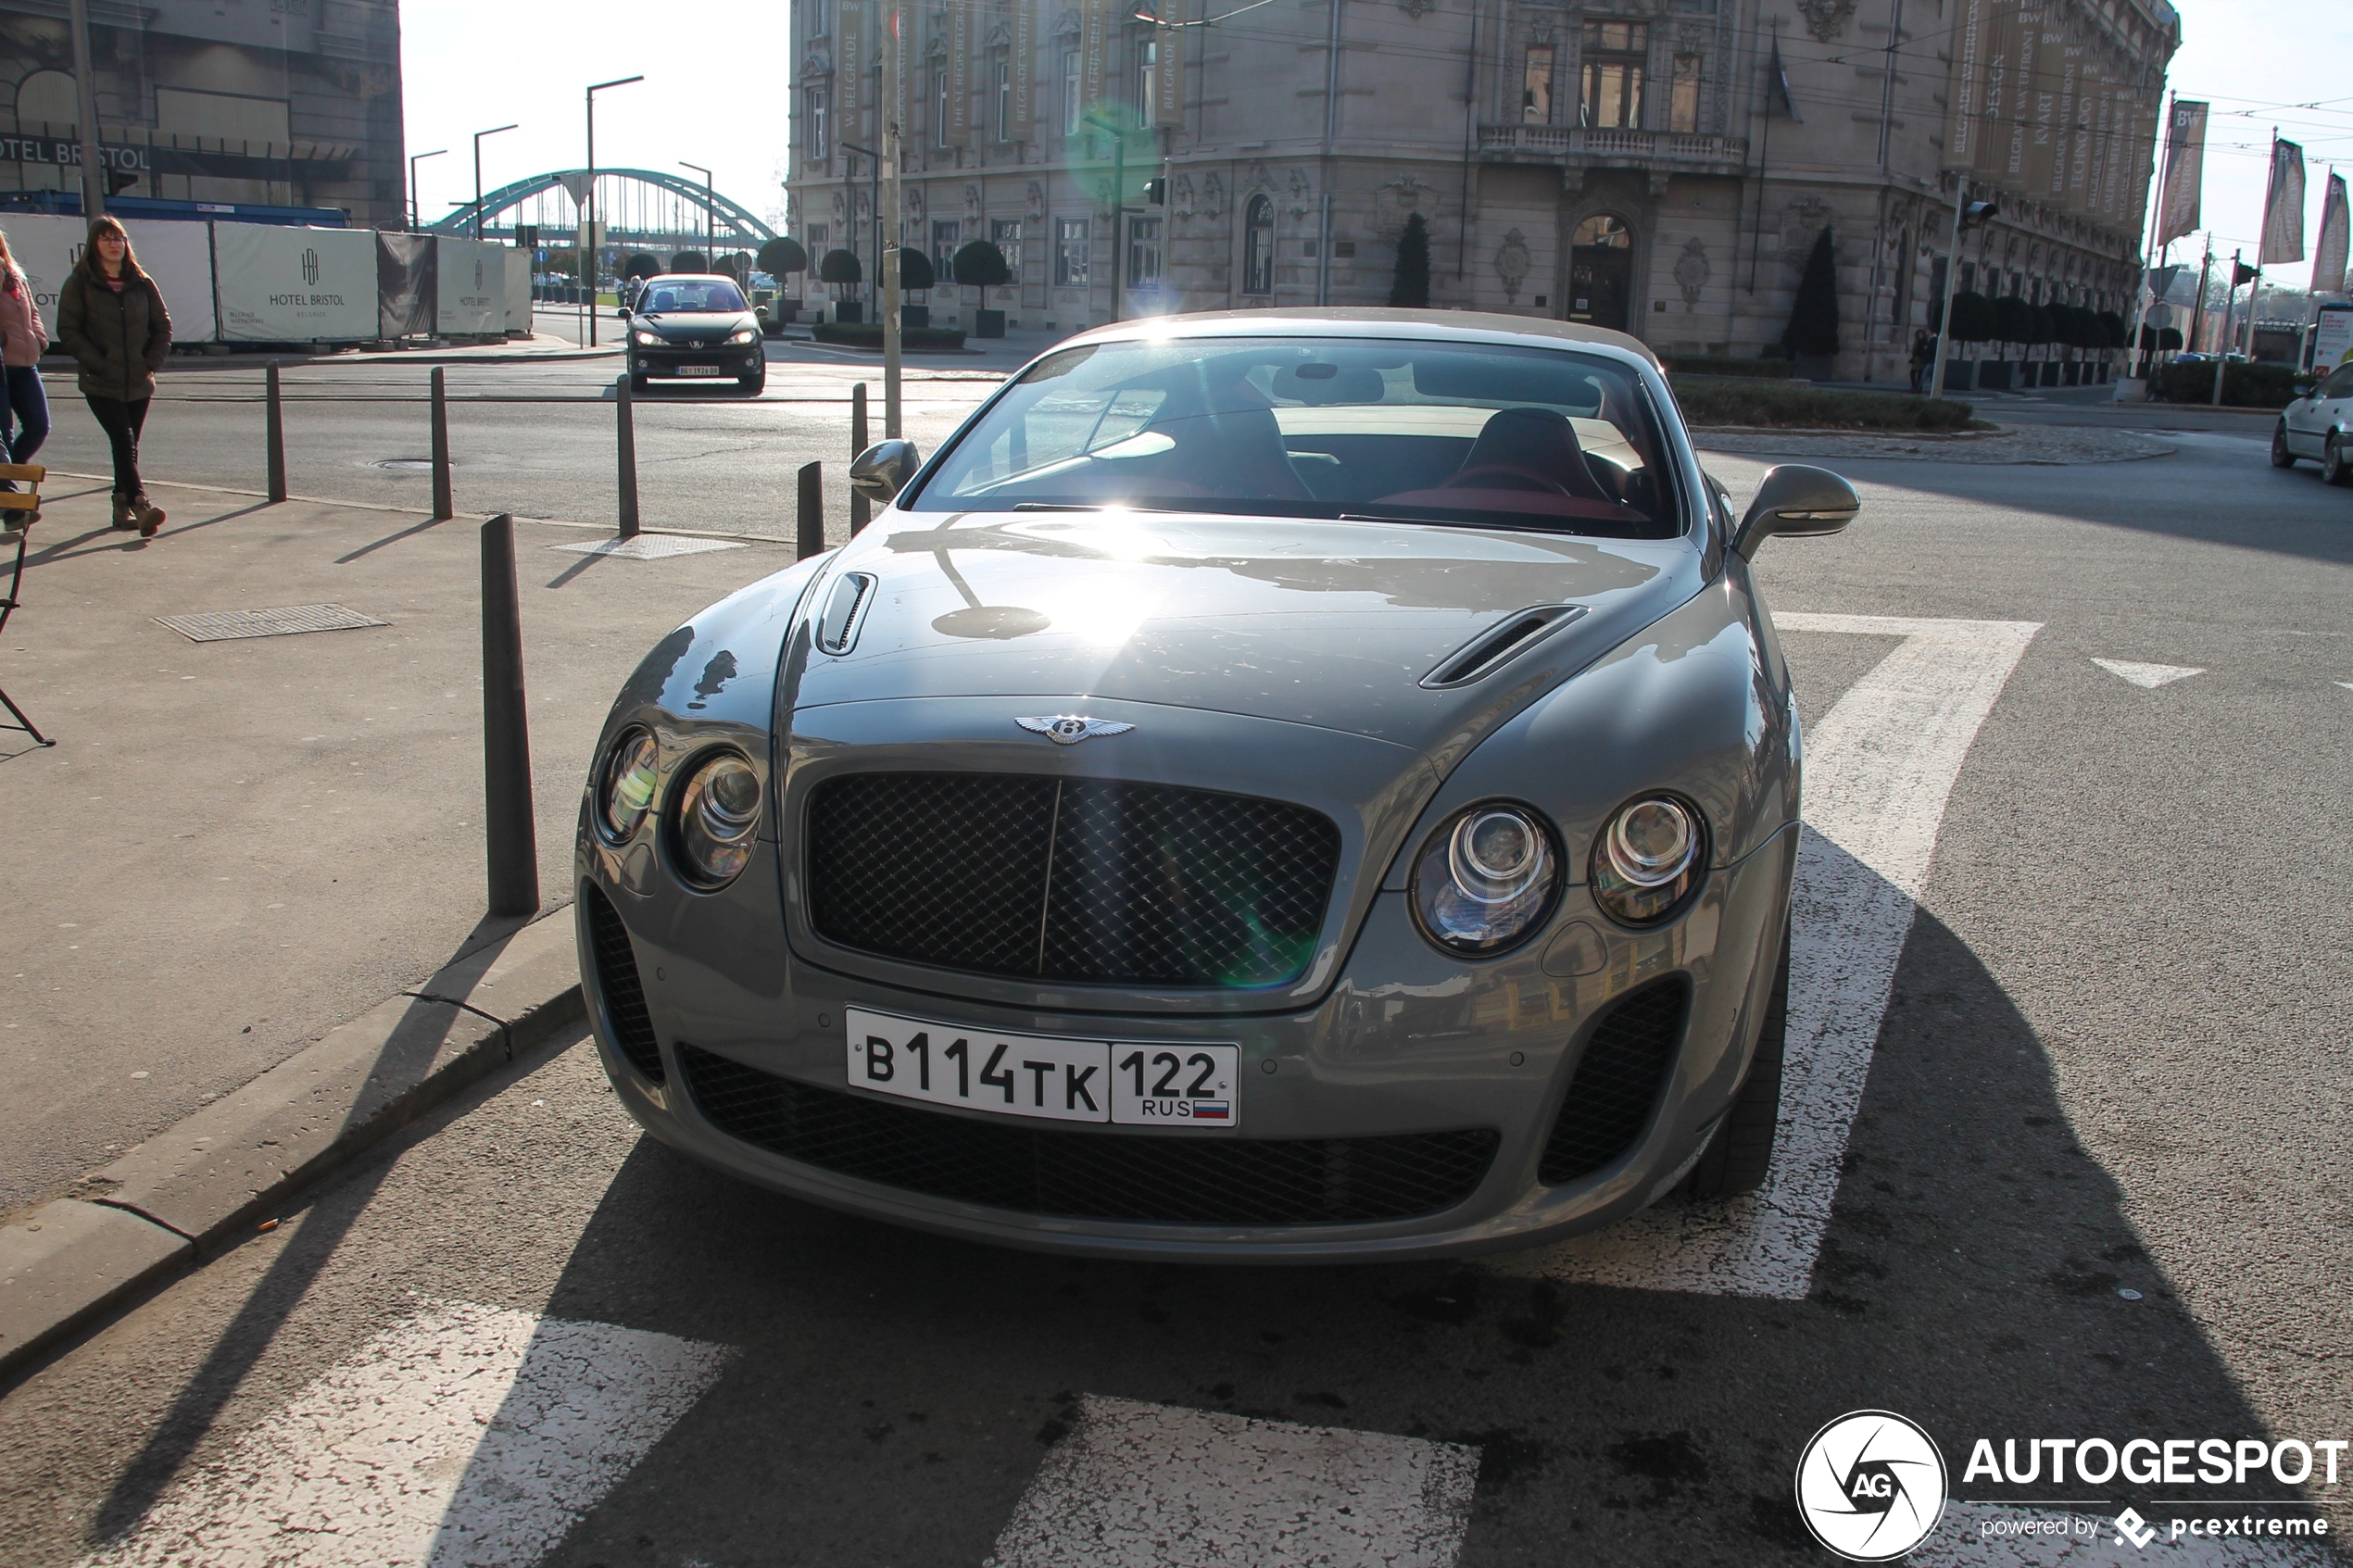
point(1070, 93)
point(1143, 252)
point(820, 237)
point(1070, 252)
point(1682, 105)
point(1536, 86)
point(1615, 55)
point(816, 146)
point(815, 12)
point(1005, 234)
point(1147, 57)
point(1258, 246)
point(940, 108)
point(946, 233)
point(1005, 101)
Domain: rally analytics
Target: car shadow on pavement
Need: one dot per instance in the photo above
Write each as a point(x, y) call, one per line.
point(896, 1391)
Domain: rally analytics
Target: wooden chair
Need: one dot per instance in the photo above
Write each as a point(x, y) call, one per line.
point(25, 500)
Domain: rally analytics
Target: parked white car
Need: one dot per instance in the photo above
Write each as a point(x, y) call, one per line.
point(2315, 426)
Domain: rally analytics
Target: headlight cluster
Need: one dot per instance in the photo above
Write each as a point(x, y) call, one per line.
point(1486, 879)
point(1489, 876)
point(745, 334)
point(1647, 859)
point(644, 340)
point(712, 821)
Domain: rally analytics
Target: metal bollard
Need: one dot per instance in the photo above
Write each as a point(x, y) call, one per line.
point(810, 524)
point(273, 429)
point(444, 506)
point(858, 507)
point(509, 833)
point(626, 427)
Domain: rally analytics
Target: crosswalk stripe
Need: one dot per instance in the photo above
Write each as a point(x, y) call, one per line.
point(464, 1435)
point(1140, 1486)
point(1879, 770)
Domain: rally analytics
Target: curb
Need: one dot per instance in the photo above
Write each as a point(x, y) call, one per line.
point(129, 1228)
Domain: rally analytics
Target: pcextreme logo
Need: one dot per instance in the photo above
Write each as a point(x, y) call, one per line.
point(1871, 1485)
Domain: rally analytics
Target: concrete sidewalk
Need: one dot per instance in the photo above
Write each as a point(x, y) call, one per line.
point(238, 846)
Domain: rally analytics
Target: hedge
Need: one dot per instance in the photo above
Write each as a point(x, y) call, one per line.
point(2244, 385)
point(869, 334)
point(1718, 402)
point(1727, 365)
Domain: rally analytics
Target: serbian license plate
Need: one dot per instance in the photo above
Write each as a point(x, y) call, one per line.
point(702, 370)
point(1131, 1083)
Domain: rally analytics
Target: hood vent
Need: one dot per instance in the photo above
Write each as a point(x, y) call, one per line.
point(1490, 650)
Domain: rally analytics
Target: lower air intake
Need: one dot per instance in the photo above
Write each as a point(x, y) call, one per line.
point(633, 1028)
point(1162, 1180)
point(1618, 1081)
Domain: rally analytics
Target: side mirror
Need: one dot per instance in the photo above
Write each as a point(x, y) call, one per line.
point(882, 470)
point(1796, 500)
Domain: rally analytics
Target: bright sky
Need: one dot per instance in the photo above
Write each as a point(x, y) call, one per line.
point(714, 92)
point(715, 81)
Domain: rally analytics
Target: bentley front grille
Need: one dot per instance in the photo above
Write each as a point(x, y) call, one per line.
point(1181, 1180)
point(1069, 879)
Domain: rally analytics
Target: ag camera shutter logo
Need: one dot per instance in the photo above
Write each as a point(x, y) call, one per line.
point(1871, 1485)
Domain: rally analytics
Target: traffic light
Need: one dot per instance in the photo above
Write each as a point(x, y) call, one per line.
point(1979, 212)
point(1156, 192)
point(526, 237)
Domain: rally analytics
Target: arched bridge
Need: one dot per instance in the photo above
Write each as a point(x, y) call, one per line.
point(638, 206)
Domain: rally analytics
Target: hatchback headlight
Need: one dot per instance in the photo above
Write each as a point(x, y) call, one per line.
point(718, 813)
point(625, 784)
point(1486, 879)
point(1647, 860)
point(744, 335)
point(644, 340)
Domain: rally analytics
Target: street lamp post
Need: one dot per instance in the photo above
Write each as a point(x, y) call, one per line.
point(588, 207)
point(413, 183)
point(710, 224)
point(478, 136)
point(876, 203)
point(1118, 206)
point(85, 88)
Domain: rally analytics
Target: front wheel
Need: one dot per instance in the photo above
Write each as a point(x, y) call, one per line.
point(755, 384)
point(2336, 466)
point(2281, 457)
point(1740, 1156)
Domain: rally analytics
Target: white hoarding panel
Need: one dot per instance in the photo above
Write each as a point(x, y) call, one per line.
point(2332, 337)
point(178, 255)
point(295, 285)
point(472, 277)
point(518, 292)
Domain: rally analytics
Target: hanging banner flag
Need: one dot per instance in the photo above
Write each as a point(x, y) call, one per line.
point(899, 93)
point(958, 132)
point(1777, 82)
point(2329, 251)
point(1167, 85)
point(850, 69)
point(2284, 206)
point(2177, 210)
point(1094, 53)
point(1022, 89)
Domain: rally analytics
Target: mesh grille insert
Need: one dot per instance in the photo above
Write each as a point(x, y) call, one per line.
point(1079, 880)
point(617, 979)
point(1166, 1180)
point(1618, 1081)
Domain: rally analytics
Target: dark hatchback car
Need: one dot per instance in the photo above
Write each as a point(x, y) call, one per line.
point(697, 327)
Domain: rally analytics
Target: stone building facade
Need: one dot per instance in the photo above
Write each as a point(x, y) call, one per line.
point(1659, 166)
point(285, 103)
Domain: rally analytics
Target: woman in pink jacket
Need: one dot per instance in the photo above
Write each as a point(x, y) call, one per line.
point(24, 406)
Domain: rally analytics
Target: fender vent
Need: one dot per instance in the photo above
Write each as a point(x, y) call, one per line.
point(633, 1028)
point(1489, 651)
point(1624, 1065)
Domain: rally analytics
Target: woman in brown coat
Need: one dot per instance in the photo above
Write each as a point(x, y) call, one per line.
point(111, 317)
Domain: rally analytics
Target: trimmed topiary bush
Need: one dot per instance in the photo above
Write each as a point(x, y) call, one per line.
point(840, 267)
point(641, 264)
point(914, 268)
point(1813, 318)
point(2013, 319)
point(1711, 402)
point(1972, 318)
point(869, 334)
point(782, 256)
point(980, 265)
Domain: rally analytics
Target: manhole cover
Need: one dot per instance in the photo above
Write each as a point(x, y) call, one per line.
point(221, 625)
point(406, 465)
point(650, 546)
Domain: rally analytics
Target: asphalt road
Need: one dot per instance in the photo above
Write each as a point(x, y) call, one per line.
point(2092, 1188)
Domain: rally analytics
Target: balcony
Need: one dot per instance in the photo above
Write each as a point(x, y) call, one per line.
point(1656, 152)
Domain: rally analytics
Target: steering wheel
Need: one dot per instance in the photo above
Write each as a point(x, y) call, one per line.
point(1516, 478)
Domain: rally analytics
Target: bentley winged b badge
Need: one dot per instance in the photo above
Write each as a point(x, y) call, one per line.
point(1069, 729)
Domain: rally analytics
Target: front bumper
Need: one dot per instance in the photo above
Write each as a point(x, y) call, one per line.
point(1406, 1042)
point(671, 361)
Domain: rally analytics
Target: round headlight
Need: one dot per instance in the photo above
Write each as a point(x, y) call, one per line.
point(1486, 879)
point(717, 813)
point(1647, 860)
point(644, 338)
point(745, 334)
point(626, 787)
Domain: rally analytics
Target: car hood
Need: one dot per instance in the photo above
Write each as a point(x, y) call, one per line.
point(695, 324)
point(1333, 624)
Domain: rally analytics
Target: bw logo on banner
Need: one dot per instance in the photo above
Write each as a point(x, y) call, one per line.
point(310, 266)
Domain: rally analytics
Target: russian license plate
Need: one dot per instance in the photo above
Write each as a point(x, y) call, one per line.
point(702, 370)
point(1132, 1082)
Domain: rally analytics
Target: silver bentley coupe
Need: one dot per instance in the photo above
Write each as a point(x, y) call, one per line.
point(1276, 786)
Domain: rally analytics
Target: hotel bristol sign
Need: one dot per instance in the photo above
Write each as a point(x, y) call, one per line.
point(68, 155)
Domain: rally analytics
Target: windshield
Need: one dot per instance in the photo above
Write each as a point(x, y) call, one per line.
point(690, 296)
point(1475, 433)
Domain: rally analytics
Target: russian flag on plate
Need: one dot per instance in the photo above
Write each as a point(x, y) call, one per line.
point(1213, 1111)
